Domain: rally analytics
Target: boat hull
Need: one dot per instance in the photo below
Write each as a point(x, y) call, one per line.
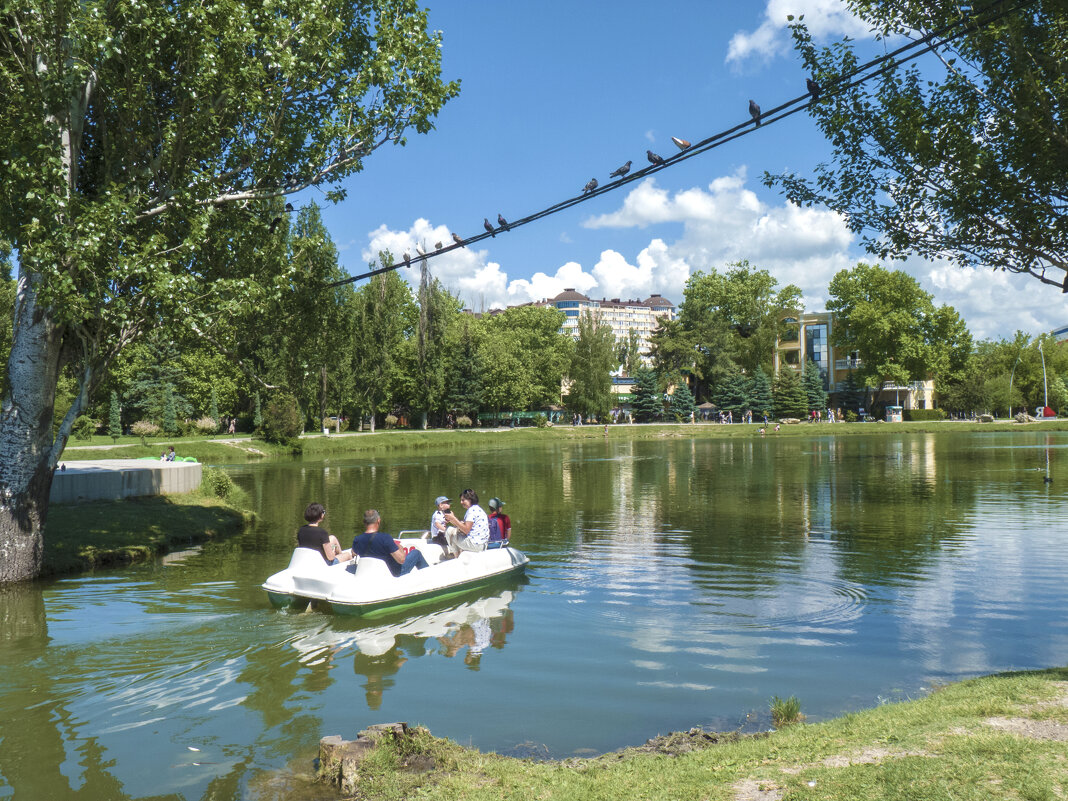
point(369, 589)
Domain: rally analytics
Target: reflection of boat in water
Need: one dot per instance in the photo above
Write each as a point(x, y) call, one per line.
point(368, 587)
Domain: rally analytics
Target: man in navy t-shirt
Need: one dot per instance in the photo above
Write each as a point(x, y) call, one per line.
point(379, 545)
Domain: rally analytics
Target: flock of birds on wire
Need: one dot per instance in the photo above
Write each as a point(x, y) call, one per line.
point(619, 174)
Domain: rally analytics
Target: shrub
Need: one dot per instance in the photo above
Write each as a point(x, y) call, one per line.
point(282, 420)
point(541, 421)
point(85, 426)
point(785, 712)
point(851, 416)
point(144, 428)
point(463, 421)
point(331, 423)
point(920, 415)
point(216, 483)
point(187, 428)
point(391, 420)
point(206, 425)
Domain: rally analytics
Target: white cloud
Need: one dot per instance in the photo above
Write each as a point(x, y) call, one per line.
point(716, 225)
point(824, 18)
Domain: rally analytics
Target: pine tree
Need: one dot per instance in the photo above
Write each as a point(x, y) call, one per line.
point(682, 404)
point(851, 397)
point(789, 395)
point(115, 417)
point(812, 381)
point(170, 422)
point(648, 403)
point(731, 393)
point(214, 408)
point(257, 414)
point(760, 398)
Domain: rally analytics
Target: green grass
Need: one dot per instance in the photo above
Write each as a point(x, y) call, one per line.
point(84, 536)
point(940, 747)
point(785, 711)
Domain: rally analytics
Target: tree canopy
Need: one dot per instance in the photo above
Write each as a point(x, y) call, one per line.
point(965, 158)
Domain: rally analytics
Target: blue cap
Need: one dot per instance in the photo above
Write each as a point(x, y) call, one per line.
point(441, 499)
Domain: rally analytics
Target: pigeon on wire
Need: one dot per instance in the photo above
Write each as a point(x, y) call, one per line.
point(590, 186)
point(654, 159)
point(459, 241)
point(503, 222)
point(754, 112)
point(813, 88)
point(681, 144)
point(437, 246)
point(407, 259)
point(488, 227)
point(620, 171)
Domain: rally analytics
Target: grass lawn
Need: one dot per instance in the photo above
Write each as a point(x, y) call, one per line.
point(84, 536)
point(1000, 737)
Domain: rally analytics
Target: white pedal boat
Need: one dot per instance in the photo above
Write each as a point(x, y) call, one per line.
point(365, 586)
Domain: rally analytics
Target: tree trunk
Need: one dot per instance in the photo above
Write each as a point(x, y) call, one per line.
point(28, 453)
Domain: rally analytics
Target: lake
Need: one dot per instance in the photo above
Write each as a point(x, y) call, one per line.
point(673, 583)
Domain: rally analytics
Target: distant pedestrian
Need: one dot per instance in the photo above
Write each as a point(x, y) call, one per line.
point(232, 428)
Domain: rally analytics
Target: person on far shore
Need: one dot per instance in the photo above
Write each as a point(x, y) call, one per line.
point(314, 536)
point(437, 522)
point(471, 533)
point(379, 545)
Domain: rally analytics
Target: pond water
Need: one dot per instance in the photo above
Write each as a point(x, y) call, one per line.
point(672, 584)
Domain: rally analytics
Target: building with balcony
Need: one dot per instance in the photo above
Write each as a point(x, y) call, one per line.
point(622, 316)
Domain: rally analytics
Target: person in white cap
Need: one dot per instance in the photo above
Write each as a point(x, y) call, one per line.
point(437, 521)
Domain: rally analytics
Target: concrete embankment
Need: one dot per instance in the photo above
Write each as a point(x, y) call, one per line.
point(115, 479)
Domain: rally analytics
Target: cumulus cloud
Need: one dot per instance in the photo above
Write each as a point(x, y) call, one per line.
point(715, 225)
point(824, 18)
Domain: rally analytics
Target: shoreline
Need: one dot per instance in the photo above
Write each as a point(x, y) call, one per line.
point(997, 736)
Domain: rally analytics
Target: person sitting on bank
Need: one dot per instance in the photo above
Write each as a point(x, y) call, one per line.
point(379, 545)
point(471, 533)
point(437, 522)
point(314, 536)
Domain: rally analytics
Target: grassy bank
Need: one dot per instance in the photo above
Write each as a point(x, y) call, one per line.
point(231, 450)
point(994, 737)
point(84, 536)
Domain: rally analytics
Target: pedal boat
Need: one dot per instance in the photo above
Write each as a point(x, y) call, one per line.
point(365, 587)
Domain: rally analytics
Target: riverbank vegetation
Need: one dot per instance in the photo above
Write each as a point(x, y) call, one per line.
point(997, 736)
point(95, 534)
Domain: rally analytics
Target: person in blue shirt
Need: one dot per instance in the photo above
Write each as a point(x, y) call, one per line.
point(379, 545)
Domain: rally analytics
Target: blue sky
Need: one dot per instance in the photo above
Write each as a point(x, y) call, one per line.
point(554, 93)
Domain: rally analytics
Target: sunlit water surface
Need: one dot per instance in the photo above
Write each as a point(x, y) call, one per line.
point(672, 584)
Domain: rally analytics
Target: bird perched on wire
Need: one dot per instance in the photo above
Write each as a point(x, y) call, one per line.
point(459, 241)
point(654, 159)
point(503, 222)
point(754, 112)
point(620, 172)
point(681, 144)
point(289, 207)
point(407, 259)
point(437, 246)
point(486, 224)
point(590, 186)
point(813, 88)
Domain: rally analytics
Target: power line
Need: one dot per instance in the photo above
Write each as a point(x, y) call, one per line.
point(858, 75)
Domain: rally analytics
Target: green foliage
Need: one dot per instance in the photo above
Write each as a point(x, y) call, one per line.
point(524, 358)
point(648, 404)
point(465, 376)
point(851, 396)
point(760, 397)
point(789, 395)
point(84, 427)
point(384, 311)
point(170, 423)
point(920, 415)
point(965, 165)
point(894, 326)
point(541, 421)
point(731, 393)
point(217, 483)
point(257, 414)
point(213, 407)
point(628, 352)
point(682, 404)
point(812, 381)
point(463, 421)
point(114, 417)
point(594, 359)
point(785, 711)
point(390, 420)
point(282, 419)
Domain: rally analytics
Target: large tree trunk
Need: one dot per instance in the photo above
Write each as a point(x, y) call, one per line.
point(27, 451)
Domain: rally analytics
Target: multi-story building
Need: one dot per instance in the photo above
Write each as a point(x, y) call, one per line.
point(808, 339)
point(622, 316)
